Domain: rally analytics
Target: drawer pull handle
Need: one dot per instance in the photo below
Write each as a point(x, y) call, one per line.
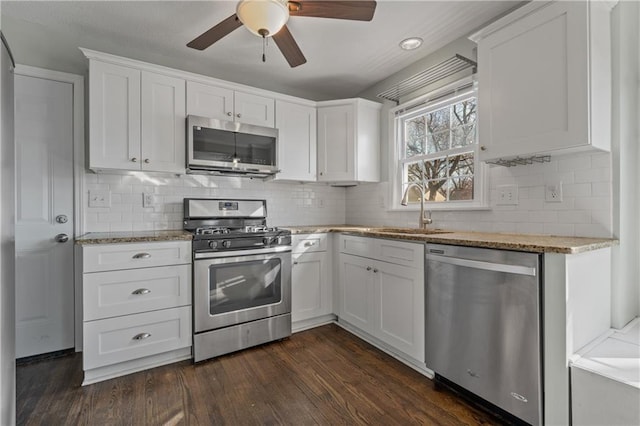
point(309, 244)
point(141, 291)
point(141, 336)
point(142, 256)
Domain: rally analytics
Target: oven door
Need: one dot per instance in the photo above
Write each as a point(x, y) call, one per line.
point(237, 289)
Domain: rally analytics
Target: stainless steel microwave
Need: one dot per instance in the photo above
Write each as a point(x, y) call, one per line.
point(225, 147)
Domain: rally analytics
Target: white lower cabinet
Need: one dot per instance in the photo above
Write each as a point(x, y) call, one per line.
point(311, 301)
point(136, 307)
point(384, 299)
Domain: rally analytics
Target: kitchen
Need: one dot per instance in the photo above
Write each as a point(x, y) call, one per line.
point(596, 187)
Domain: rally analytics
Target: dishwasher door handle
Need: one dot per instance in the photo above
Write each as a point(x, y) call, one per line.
point(485, 266)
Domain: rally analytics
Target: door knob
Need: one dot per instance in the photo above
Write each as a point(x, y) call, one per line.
point(62, 218)
point(61, 238)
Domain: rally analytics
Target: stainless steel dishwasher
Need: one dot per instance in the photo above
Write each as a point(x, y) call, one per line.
point(483, 325)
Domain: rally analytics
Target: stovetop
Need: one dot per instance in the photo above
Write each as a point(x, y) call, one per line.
point(226, 225)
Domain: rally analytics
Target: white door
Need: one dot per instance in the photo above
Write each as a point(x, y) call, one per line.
point(356, 292)
point(44, 196)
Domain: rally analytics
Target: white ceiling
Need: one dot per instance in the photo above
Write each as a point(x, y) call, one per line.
point(343, 57)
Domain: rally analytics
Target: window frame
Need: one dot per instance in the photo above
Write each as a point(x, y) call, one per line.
point(432, 101)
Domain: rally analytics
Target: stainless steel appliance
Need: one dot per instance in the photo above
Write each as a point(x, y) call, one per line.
point(226, 147)
point(241, 276)
point(483, 325)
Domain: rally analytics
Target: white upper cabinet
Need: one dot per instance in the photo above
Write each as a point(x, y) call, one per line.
point(163, 123)
point(544, 80)
point(349, 141)
point(114, 116)
point(225, 104)
point(296, 126)
point(136, 119)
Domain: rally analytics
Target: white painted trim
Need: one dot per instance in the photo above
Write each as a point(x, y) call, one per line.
point(350, 101)
point(77, 82)
point(508, 19)
point(188, 76)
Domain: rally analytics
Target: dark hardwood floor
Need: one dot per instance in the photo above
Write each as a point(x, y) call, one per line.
point(321, 376)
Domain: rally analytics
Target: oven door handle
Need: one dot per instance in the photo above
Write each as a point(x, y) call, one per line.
point(235, 253)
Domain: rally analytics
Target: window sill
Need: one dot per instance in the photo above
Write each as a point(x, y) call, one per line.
point(433, 208)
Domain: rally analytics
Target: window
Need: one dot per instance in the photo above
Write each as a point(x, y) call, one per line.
point(436, 147)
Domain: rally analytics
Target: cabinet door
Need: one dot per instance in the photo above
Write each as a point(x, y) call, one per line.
point(533, 83)
point(399, 306)
point(209, 101)
point(163, 123)
point(309, 285)
point(356, 292)
point(254, 109)
point(336, 143)
point(114, 115)
point(296, 126)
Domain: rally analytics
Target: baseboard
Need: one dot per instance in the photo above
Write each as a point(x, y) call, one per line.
point(312, 323)
point(122, 369)
point(408, 361)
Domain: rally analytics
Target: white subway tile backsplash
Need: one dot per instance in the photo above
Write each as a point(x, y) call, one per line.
point(584, 211)
point(287, 203)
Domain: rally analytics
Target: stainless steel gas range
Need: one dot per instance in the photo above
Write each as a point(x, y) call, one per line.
point(241, 276)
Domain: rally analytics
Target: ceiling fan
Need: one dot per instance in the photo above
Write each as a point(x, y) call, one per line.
point(268, 18)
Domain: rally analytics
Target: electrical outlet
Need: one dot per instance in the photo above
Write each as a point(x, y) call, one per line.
point(553, 192)
point(99, 198)
point(507, 195)
point(148, 200)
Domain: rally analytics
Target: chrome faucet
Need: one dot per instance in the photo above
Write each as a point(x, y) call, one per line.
point(424, 219)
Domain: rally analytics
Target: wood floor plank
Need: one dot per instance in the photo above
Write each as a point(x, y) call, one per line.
point(323, 376)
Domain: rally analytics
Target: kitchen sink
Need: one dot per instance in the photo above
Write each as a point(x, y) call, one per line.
point(412, 231)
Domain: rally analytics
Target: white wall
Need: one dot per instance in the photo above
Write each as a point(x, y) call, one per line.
point(287, 203)
point(626, 157)
point(585, 209)
point(7, 251)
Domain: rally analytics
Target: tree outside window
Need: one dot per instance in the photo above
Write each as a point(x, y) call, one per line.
point(439, 149)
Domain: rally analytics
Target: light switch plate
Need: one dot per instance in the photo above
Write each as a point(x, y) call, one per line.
point(148, 200)
point(553, 192)
point(99, 198)
point(507, 195)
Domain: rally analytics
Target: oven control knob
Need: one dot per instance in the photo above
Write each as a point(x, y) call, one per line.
point(226, 244)
point(213, 244)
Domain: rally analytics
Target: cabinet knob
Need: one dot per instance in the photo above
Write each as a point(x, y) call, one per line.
point(375, 271)
point(368, 268)
point(295, 263)
point(321, 173)
point(238, 115)
point(483, 148)
point(146, 161)
point(229, 114)
point(134, 160)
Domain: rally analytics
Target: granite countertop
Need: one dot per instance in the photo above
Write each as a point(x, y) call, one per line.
point(517, 242)
point(132, 237)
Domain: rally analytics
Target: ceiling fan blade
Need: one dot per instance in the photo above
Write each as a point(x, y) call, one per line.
point(358, 10)
point(214, 34)
point(289, 48)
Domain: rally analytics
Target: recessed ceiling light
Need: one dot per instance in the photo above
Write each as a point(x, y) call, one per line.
point(411, 43)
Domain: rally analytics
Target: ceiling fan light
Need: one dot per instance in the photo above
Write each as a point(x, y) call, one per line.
point(260, 15)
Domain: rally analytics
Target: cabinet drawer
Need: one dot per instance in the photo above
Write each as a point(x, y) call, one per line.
point(401, 253)
point(392, 251)
point(109, 257)
point(114, 340)
point(307, 243)
point(113, 293)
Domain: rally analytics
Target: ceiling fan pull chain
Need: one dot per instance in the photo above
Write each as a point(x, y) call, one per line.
point(264, 56)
